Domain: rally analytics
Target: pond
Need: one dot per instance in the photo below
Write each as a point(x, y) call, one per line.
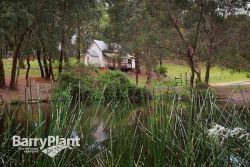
point(97, 120)
point(161, 132)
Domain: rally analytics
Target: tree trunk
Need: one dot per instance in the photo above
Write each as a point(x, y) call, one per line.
point(79, 52)
point(45, 64)
point(63, 40)
point(18, 72)
point(192, 67)
point(197, 69)
point(209, 62)
point(60, 62)
point(51, 69)
point(2, 75)
point(50, 51)
point(207, 75)
point(27, 71)
point(78, 43)
point(62, 55)
point(13, 70)
point(160, 60)
point(137, 70)
point(192, 78)
point(38, 54)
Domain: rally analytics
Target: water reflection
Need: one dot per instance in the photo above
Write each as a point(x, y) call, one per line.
point(25, 113)
point(98, 118)
point(98, 134)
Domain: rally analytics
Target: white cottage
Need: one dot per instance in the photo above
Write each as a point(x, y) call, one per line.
point(103, 55)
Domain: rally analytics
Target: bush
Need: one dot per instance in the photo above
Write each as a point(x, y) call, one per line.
point(112, 85)
point(96, 86)
point(248, 75)
point(162, 70)
point(116, 86)
point(79, 79)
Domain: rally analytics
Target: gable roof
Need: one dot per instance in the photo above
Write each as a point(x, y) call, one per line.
point(102, 45)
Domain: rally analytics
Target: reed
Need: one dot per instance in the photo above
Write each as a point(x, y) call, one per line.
point(169, 130)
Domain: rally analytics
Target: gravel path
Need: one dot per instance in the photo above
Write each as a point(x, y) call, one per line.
point(240, 83)
point(235, 92)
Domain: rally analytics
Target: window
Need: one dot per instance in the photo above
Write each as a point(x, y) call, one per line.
point(129, 61)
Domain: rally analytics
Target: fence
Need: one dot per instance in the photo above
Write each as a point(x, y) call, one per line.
point(182, 80)
point(35, 90)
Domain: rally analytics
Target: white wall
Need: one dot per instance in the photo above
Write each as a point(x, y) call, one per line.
point(105, 61)
point(101, 61)
point(133, 63)
point(94, 60)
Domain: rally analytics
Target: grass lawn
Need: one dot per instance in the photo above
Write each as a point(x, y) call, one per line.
point(34, 67)
point(217, 75)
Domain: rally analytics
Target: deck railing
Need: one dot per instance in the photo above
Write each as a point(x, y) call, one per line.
point(122, 65)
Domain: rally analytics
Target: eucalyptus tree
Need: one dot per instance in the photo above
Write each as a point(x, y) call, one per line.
point(72, 14)
point(183, 19)
point(236, 49)
point(141, 34)
point(17, 20)
point(48, 36)
point(216, 32)
point(115, 30)
point(27, 53)
point(124, 28)
point(130, 25)
point(84, 15)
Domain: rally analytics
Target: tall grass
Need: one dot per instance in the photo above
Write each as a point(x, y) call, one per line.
point(169, 130)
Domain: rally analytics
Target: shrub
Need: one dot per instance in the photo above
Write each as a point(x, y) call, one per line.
point(248, 75)
point(114, 85)
point(80, 79)
point(95, 86)
point(162, 70)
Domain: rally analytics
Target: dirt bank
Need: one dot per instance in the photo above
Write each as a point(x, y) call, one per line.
point(38, 87)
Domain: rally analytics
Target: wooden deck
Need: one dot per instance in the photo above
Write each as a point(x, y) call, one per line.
point(122, 66)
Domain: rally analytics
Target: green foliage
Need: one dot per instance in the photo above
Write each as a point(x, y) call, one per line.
point(162, 70)
point(248, 75)
point(116, 85)
point(171, 130)
point(113, 84)
point(80, 79)
point(93, 85)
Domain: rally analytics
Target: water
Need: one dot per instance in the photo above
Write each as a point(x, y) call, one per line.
point(32, 111)
point(97, 120)
point(119, 127)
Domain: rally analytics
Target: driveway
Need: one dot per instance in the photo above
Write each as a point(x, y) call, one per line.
point(234, 92)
